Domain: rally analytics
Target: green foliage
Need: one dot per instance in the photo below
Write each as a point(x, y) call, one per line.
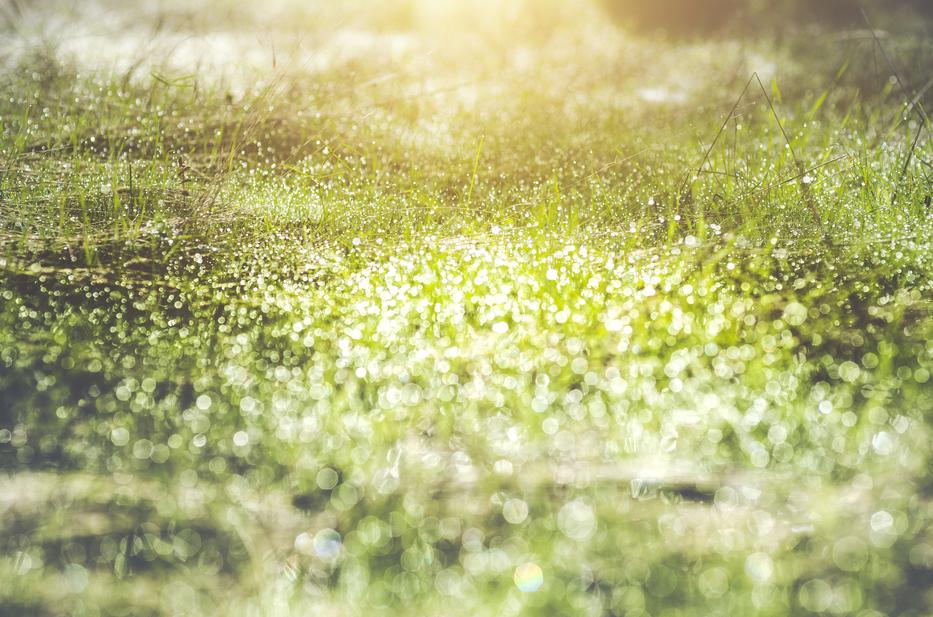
point(526, 321)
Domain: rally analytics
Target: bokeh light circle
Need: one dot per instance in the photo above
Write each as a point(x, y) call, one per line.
point(529, 577)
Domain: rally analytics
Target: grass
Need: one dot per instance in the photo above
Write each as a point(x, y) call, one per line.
point(441, 313)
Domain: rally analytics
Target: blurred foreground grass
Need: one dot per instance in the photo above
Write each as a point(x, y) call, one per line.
point(343, 309)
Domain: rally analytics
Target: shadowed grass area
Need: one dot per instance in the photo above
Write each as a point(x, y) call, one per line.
point(461, 310)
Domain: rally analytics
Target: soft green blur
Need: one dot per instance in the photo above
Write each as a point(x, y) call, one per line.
point(450, 308)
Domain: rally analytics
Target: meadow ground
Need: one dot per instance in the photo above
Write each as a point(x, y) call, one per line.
point(340, 309)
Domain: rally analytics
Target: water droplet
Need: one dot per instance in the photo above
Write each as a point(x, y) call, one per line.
point(327, 544)
point(576, 520)
point(515, 511)
point(759, 567)
point(529, 577)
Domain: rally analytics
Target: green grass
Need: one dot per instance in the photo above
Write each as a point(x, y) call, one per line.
point(363, 321)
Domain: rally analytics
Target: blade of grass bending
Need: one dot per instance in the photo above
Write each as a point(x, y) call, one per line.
point(479, 153)
point(738, 101)
point(913, 103)
point(802, 173)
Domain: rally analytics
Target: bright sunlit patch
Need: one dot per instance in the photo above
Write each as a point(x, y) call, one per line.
point(661, 95)
point(529, 577)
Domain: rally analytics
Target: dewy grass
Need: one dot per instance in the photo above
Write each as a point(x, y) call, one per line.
point(424, 319)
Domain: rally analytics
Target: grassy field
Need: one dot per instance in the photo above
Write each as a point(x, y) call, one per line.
point(448, 308)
